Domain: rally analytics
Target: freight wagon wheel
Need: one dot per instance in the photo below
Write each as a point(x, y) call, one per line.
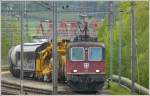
point(17, 73)
point(34, 76)
point(11, 66)
point(11, 69)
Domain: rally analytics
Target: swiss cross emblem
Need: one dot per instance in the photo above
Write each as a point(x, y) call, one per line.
point(86, 65)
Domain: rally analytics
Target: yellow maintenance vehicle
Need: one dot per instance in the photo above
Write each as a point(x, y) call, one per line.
point(38, 59)
point(44, 60)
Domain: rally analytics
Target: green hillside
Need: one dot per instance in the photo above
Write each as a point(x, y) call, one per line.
point(141, 29)
point(10, 36)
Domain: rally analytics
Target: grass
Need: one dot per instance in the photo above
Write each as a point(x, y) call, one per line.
point(4, 69)
point(116, 89)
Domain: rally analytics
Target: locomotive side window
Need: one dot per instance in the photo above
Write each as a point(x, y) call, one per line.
point(77, 53)
point(95, 54)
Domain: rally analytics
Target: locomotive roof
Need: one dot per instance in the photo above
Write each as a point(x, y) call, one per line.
point(87, 44)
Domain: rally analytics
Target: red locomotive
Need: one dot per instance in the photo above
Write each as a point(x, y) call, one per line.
point(85, 68)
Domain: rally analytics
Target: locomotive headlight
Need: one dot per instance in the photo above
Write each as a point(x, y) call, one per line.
point(97, 70)
point(74, 70)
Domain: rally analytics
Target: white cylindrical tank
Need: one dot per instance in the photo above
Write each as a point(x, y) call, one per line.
point(12, 54)
point(27, 48)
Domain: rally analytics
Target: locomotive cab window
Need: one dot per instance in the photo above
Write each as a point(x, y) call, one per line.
point(77, 53)
point(95, 54)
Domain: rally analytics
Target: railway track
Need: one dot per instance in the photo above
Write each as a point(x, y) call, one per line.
point(11, 86)
point(14, 89)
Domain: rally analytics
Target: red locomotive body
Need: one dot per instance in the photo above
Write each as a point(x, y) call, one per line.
point(85, 68)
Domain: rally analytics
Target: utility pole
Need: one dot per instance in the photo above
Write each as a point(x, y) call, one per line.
point(120, 47)
point(9, 17)
point(111, 38)
point(10, 10)
point(21, 55)
point(26, 19)
point(55, 65)
point(132, 47)
point(49, 24)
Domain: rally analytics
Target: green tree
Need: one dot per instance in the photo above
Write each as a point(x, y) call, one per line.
point(10, 36)
point(141, 29)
